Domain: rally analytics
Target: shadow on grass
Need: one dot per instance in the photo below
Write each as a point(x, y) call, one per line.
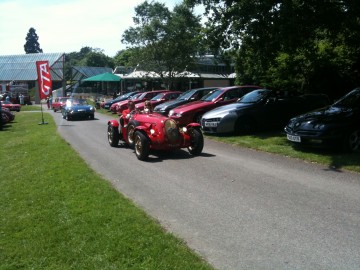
point(334, 158)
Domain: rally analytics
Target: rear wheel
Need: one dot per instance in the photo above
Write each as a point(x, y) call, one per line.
point(352, 141)
point(142, 146)
point(197, 142)
point(113, 136)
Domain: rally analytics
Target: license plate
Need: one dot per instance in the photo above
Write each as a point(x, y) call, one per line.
point(293, 138)
point(211, 124)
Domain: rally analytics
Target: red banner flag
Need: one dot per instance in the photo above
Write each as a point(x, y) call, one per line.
point(44, 79)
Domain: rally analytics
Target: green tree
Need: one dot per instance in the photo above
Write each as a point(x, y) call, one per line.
point(32, 45)
point(164, 41)
point(87, 56)
point(289, 44)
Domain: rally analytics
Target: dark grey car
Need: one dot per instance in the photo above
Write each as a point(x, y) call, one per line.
point(259, 110)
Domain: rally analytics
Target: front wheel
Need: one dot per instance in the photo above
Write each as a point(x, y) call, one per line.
point(113, 136)
point(352, 141)
point(142, 146)
point(130, 134)
point(196, 142)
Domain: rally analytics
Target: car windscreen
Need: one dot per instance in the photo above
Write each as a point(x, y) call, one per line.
point(186, 95)
point(158, 96)
point(255, 96)
point(350, 100)
point(212, 95)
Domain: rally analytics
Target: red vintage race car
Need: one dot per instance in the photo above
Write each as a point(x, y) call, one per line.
point(154, 131)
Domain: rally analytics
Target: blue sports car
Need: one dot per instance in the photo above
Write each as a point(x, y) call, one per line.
point(78, 108)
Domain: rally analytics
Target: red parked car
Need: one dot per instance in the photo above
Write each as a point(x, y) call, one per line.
point(193, 111)
point(160, 98)
point(11, 106)
point(122, 105)
point(153, 131)
point(58, 103)
point(114, 107)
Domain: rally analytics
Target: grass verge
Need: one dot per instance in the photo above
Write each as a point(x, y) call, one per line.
point(56, 213)
point(276, 142)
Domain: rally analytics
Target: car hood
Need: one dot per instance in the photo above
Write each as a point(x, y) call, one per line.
point(221, 111)
point(81, 107)
point(328, 115)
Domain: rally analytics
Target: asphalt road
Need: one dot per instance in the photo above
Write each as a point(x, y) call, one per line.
point(237, 208)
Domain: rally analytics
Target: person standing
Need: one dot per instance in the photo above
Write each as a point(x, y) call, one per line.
point(21, 97)
point(50, 101)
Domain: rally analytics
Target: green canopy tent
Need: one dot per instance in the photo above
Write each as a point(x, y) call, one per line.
point(106, 77)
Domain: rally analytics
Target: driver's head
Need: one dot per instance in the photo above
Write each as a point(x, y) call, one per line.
point(131, 105)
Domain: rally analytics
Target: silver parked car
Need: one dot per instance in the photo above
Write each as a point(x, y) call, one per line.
point(261, 109)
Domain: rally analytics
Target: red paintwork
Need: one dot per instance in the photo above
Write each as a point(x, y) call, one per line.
point(11, 106)
point(58, 103)
point(188, 113)
point(122, 105)
point(166, 96)
point(155, 122)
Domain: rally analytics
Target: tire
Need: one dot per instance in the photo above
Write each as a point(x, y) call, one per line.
point(130, 132)
point(197, 142)
point(113, 136)
point(92, 117)
point(352, 141)
point(142, 146)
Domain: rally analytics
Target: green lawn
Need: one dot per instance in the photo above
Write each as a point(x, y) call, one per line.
point(276, 142)
point(56, 213)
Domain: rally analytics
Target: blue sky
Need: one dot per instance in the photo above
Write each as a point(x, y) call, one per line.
point(67, 25)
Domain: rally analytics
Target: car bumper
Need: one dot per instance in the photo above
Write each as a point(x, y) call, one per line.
point(218, 125)
point(314, 138)
point(82, 114)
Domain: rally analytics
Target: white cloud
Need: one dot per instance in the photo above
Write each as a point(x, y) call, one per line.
point(67, 25)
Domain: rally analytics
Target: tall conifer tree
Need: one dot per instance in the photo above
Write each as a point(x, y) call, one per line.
point(32, 45)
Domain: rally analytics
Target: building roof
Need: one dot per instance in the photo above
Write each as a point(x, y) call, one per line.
point(79, 73)
point(22, 67)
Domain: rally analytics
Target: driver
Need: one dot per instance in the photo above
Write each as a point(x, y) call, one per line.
point(127, 113)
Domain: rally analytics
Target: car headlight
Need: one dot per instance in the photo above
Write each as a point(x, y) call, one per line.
point(92, 108)
point(319, 126)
